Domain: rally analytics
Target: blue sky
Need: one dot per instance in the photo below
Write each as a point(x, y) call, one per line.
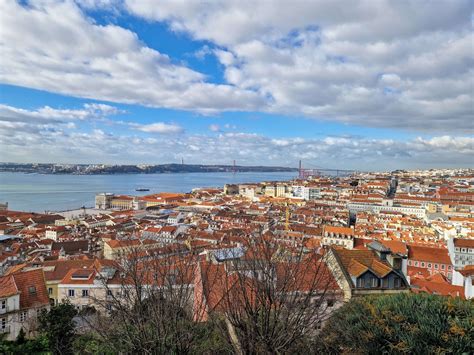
point(130, 82)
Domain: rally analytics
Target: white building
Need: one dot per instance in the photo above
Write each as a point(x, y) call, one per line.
point(22, 296)
point(461, 252)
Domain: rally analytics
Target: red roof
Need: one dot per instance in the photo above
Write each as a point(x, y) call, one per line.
point(32, 287)
point(437, 285)
point(7, 286)
point(429, 254)
point(464, 243)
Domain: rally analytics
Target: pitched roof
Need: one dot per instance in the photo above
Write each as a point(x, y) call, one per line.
point(464, 243)
point(32, 287)
point(7, 286)
point(356, 262)
point(72, 246)
point(339, 230)
point(436, 285)
point(429, 254)
point(395, 246)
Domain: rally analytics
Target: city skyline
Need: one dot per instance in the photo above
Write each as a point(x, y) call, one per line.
point(366, 87)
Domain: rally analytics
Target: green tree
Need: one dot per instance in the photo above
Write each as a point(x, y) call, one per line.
point(22, 345)
point(58, 326)
point(401, 323)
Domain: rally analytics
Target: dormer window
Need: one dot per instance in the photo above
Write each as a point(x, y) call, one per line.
point(32, 290)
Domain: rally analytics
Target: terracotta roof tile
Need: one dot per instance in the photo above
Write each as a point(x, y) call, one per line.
point(8, 286)
point(355, 260)
point(429, 254)
point(32, 287)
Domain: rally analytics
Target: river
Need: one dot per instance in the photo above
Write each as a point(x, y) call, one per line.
point(39, 193)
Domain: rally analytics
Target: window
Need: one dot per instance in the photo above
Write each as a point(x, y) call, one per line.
point(85, 293)
point(32, 290)
point(422, 264)
point(375, 282)
point(443, 267)
point(23, 316)
point(436, 266)
point(367, 283)
point(359, 283)
point(416, 263)
point(330, 302)
point(397, 282)
point(429, 265)
point(385, 282)
point(449, 267)
point(70, 293)
point(50, 290)
point(109, 292)
point(3, 323)
point(3, 304)
point(409, 262)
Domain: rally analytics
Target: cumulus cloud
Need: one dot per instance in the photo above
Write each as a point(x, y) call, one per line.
point(214, 128)
point(404, 65)
point(22, 142)
point(158, 127)
point(49, 114)
point(53, 46)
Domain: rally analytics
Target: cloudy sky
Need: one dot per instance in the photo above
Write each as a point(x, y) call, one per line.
point(338, 84)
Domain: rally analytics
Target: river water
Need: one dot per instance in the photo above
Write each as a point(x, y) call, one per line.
point(38, 193)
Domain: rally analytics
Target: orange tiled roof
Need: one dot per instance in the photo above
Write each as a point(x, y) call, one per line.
point(338, 230)
point(356, 262)
point(7, 286)
point(32, 287)
point(429, 254)
point(464, 243)
point(436, 285)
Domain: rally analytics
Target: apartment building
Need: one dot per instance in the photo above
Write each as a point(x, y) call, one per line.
point(22, 297)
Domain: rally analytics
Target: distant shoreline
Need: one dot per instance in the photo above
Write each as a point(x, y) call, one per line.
point(100, 169)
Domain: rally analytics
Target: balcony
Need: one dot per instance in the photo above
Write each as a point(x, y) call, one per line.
point(5, 329)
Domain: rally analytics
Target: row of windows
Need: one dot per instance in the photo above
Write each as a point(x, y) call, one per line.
point(464, 257)
point(464, 250)
point(375, 282)
point(72, 293)
point(85, 293)
point(428, 265)
point(23, 316)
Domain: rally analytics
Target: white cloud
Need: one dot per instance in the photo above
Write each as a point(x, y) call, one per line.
point(214, 128)
point(53, 46)
point(50, 134)
point(47, 114)
point(405, 65)
point(398, 64)
point(159, 127)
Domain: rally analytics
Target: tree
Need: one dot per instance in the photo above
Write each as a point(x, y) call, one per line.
point(58, 326)
point(22, 345)
point(273, 299)
point(401, 323)
point(148, 307)
point(270, 298)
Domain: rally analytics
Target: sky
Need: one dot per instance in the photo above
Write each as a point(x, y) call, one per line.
point(366, 85)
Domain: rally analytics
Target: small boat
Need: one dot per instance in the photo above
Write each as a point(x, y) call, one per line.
point(142, 189)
